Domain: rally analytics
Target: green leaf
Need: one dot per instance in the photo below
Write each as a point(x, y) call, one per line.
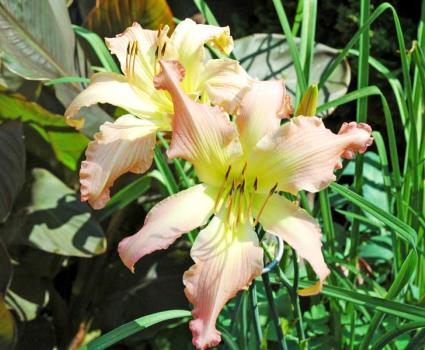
point(398, 309)
point(133, 327)
point(268, 56)
point(12, 165)
point(125, 196)
point(66, 144)
point(111, 17)
point(38, 43)
point(99, 48)
point(57, 222)
point(403, 230)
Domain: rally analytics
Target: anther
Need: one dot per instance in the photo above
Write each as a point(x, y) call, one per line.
point(256, 184)
point(244, 168)
point(257, 219)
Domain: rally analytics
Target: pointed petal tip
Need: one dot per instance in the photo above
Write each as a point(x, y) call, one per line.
point(122, 248)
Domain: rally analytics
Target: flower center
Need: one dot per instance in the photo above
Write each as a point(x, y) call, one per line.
point(236, 196)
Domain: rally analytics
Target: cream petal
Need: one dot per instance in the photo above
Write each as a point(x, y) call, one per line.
point(187, 46)
point(202, 134)
point(189, 38)
point(297, 228)
point(113, 89)
point(226, 262)
point(167, 221)
point(120, 147)
point(143, 44)
point(261, 111)
point(225, 82)
point(302, 154)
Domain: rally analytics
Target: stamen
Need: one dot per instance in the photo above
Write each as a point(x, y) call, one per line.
point(264, 204)
point(132, 50)
point(222, 187)
point(251, 199)
point(244, 168)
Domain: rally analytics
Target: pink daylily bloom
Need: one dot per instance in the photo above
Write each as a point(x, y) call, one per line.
point(242, 166)
point(126, 145)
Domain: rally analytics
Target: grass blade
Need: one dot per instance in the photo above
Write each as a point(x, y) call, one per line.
point(98, 47)
point(133, 327)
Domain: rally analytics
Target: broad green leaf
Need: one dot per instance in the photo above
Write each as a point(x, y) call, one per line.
point(267, 56)
point(111, 17)
point(37, 40)
point(12, 165)
point(38, 43)
point(133, 327)
point(67, 144)
point(57, 222)
point(28, 294)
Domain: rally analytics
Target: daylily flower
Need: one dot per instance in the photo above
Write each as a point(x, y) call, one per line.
point(242, 166)
point(127, 144)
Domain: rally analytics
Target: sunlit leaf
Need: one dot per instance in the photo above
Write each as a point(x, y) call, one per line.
point(67, 145)
point(133, 327)
point(267, 56)
point(12, 164)
point(38, 43)
point(57, 221)
point(111, 17)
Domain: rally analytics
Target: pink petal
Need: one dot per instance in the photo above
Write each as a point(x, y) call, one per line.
point(202, 134)
point(261, 111)
point(226, 262)
point(226, 83)
point(167, 221)
point(293, 224)
point(302, 154)
point(120, 147)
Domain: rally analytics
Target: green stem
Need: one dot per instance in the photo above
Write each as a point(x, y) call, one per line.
point(256, 314)
point(275, 316)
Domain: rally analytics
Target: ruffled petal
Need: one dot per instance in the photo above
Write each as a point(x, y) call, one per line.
point(113, 89)
point(302, 154)
point(120, 147)
point(167, 221)
point(261, 111)
point(202, 134)
point(226, 262)
point(225, 82)
point(293, 224)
